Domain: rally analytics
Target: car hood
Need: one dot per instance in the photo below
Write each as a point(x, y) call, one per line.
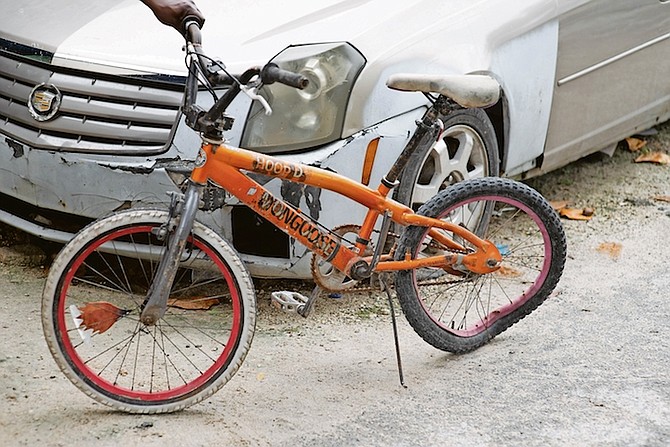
point(123, 37)
point(423, 36)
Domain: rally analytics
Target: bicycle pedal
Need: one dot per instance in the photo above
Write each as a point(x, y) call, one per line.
point(287, 301)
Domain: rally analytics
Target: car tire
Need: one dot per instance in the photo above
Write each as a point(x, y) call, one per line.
point(467, 149)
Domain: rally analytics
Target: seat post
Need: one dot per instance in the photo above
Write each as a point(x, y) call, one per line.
point(428, 129)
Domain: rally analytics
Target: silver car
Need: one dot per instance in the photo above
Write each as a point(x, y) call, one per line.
point(90, 95)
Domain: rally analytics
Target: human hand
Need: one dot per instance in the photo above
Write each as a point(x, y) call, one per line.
point(174, 12)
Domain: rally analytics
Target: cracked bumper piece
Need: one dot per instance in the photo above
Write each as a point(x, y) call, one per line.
point(54, 194)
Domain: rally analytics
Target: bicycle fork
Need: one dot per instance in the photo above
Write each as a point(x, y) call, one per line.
point(155, 304)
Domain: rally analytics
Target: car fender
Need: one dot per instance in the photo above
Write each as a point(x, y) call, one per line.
point(515, 43)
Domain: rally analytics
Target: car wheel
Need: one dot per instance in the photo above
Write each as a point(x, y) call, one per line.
point(467, 149)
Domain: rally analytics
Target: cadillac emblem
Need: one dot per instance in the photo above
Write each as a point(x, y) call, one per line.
point(44, 102)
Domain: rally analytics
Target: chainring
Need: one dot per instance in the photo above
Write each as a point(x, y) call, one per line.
point(325, 274)
point(330, 279)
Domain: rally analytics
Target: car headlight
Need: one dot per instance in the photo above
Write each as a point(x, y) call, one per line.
point(309, 117)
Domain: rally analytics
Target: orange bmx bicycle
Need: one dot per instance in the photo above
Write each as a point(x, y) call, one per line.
point(151, 311)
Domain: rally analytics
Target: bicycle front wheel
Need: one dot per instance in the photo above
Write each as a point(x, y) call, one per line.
point(93, 298)
point(458, 312)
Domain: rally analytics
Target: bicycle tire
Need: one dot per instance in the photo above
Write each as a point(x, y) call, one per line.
point(102, 276)
point(458, 312)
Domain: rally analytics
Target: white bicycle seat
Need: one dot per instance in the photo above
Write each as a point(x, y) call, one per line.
point(467, 90)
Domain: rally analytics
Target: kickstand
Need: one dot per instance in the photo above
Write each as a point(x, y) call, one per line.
point(385, 287)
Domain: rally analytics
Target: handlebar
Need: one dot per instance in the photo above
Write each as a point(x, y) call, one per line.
point(212, 121)
point(272, 73)
point(269, 74)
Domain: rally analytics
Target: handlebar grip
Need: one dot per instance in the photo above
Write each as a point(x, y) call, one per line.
point(191, 26)
point(272, 73)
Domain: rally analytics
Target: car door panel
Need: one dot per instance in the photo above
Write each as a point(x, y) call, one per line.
point(611, 80)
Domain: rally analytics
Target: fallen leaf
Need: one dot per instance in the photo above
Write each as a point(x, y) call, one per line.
point(99, 316)
point(194, 303)
point(654, 157)
point(635, 144)
point(577, 213)
point(662, 198)
point(508, 272)
point(558, 205)
point(612, 249)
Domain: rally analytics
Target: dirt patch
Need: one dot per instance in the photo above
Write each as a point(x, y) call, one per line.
point(19, 248)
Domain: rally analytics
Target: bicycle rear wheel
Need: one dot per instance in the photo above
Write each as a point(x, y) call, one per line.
point(460, 312)
point(93, 298)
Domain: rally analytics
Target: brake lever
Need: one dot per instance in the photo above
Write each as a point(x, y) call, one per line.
point(251, 93)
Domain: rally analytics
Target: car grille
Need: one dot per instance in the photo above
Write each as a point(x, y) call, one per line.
point(98, 113)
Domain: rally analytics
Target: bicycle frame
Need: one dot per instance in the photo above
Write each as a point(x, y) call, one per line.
point(224, 165)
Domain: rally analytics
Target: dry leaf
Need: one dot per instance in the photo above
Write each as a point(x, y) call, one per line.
point(558, 205)
point(654, 157)
point(194, 303)
point(610, 248)
point(577, 213)
point(508, 272)
point(99, 316)
point(662, 198)
point(635, 144)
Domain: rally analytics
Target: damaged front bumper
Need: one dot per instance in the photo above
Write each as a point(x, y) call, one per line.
point(53, 194)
